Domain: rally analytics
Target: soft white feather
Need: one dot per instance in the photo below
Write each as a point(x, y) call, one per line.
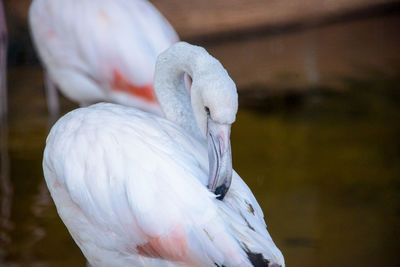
point(139, 174)
point(123, 179)
point(82, 42)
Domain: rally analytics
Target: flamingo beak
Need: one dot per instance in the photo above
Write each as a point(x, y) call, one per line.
point(219, 157)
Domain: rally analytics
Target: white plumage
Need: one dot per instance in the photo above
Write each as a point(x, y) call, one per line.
point(131, 187)
point(102, 50)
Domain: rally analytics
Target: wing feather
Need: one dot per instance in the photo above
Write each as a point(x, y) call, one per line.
point(94, 38)
point(146, 189)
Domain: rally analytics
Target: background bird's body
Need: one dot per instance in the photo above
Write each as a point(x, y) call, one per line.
point(134, 193)
point(101, 50)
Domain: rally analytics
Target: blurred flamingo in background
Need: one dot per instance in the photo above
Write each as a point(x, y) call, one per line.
point(3, 63)
point(102, 50)
point(6, 189)
point(133, 189)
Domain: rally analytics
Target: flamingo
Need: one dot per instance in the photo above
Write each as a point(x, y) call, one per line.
point(102, 50)
point(137, 189)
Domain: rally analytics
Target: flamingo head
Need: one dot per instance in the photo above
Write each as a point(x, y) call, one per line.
point(207, 110)
point(215, 104)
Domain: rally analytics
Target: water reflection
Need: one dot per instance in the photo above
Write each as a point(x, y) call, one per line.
point(6, 189)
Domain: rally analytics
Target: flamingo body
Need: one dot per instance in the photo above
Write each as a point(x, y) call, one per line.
point(102, 50)
point(136, 189)
point(133, 193)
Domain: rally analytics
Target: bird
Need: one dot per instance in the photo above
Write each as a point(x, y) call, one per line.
point(102, 50)
point(137, 189)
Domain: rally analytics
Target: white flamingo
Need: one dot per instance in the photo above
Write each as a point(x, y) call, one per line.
point(103, 50)
point(133, 188)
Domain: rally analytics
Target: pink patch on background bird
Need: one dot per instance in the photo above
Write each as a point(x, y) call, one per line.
point(51, 34)
point(121, 84)
point(173, 246)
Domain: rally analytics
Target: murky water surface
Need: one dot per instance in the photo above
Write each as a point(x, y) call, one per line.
point(325, 168)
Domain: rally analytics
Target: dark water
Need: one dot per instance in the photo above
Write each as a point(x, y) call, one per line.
point(327, 174)
point(324, 165)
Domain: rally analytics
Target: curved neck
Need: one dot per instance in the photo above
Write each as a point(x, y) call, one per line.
point(170, 89)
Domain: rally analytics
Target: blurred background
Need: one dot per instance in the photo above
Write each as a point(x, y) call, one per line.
point(317, 137)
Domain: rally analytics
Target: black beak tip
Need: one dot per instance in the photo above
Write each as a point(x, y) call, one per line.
point(221, 191)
